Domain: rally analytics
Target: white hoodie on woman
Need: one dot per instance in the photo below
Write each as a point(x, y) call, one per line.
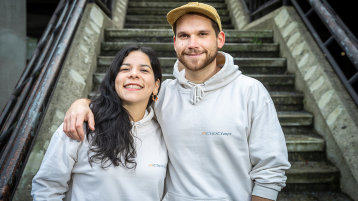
point(223, 138)
point(65, 172)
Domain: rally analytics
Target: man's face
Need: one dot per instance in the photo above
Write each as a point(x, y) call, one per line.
point(196, 43)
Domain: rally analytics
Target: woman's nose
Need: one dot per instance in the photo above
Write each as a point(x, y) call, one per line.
point(134, 72)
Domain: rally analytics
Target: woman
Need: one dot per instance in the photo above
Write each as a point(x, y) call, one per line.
point(125, 158)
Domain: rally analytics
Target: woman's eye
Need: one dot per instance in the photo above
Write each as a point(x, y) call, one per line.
point(123, 69)
point(145, 70)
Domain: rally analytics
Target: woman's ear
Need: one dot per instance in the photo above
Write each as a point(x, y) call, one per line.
point(156, 87)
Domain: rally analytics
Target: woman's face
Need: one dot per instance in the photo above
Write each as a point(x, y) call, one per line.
point(135, 82)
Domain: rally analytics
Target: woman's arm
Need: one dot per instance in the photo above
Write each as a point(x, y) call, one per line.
point(76, 115)
point(51, 181)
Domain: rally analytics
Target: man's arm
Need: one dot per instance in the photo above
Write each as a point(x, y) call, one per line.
point(268, 151)
point(76, 115)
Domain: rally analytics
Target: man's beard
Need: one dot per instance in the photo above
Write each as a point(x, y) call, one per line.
point(196, 67)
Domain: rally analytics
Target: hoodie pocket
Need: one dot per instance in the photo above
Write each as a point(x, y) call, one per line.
point(177, 197)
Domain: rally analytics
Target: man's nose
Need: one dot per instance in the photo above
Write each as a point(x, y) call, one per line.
point(193, 42)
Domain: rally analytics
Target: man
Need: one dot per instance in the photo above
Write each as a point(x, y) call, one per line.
point(221, 128)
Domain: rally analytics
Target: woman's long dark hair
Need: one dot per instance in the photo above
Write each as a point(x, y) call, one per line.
point(112, 142)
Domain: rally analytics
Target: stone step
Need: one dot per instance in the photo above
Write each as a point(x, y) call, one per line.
point(284, 101)
point(166, 35)
point(163, 11)
point(287, 101)
point(311, 176)
point(167, 50)
point(312, 196)
point(296, 130)
point(183, 1)
point(318, 156)
point(261, 65)
point(272, 82)
point(164, 26)
point(304, 143)
point(305, 147)
point(149, 5)
point(295, 118)
point(144, 19)
point(246, 65)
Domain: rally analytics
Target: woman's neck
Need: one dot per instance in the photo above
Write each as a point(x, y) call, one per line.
point(136, 112)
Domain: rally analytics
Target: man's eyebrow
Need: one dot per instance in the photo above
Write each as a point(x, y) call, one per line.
point(182, 32)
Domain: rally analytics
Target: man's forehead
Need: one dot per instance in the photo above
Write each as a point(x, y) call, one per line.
point(193, 23)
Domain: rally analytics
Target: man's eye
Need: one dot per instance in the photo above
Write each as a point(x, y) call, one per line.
point(144, 70)
point(183, 36)
point(203, 34)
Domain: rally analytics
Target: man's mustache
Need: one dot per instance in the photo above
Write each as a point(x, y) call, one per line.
point(193, 51)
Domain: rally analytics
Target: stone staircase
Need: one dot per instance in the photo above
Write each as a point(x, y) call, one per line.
point(311, 176)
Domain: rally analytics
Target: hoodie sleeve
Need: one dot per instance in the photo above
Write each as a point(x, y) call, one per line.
point(268, 151)
point(51, 181)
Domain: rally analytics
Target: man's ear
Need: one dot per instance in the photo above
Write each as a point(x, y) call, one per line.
point(174, 41)
point(221, 39)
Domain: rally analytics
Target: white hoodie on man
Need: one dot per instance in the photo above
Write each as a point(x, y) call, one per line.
point(65, 172)
point(223, 138)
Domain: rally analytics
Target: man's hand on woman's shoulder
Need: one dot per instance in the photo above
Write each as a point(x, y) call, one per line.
point(76, 115)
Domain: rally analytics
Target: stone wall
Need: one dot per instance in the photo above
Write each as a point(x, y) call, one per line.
point(334, 111)
point(12, 46)
point(74, 82)
point(237, 13)
point(335, 114)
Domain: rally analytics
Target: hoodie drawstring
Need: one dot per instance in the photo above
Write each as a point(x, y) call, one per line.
point(134, 129)
point(197, 94)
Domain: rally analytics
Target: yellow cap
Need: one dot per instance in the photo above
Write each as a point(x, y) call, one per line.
point(194, 7)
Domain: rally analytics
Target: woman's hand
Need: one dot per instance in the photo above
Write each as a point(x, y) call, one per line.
point(76, 115)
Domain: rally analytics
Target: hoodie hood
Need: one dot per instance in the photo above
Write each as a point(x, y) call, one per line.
point(228, 72)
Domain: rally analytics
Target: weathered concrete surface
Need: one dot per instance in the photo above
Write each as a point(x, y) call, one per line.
point(336, 116)
point(237, 14)
point(12, 46)
point(119, 13)
point(75, 82)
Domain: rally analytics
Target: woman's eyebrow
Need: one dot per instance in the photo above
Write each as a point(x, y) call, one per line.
point(145, 65)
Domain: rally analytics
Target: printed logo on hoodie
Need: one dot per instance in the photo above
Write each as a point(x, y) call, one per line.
point(216, 133)
point(157, 165)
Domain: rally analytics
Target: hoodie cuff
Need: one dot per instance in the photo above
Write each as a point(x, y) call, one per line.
point(265, 192)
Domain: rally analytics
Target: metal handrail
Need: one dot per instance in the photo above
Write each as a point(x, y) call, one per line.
point(339, 33)
point(21, 116)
